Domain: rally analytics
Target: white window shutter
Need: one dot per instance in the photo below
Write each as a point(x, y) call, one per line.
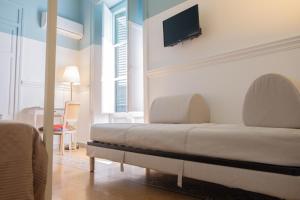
point(108, 86)
point(121, 69)
point(135, 68)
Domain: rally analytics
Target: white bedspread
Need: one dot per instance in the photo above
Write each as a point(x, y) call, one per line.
point(265, 145)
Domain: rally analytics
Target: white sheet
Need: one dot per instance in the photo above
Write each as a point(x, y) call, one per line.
point(266, 145)
point(111, 133)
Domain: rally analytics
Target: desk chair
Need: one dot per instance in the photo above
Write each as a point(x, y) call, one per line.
point(69, 118)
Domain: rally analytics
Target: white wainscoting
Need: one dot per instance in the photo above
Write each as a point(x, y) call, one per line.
point(10, 43)
point(33, 73)
point(33, 94)
point(241, 40)
point(236, 55)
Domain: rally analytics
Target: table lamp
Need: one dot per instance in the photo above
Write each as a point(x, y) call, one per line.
point(71, 75)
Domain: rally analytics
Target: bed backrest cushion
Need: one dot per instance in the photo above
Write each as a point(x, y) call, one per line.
point(182, 109)
point(272, 101)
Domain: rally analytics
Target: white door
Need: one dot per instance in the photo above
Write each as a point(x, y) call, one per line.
point(9, 32)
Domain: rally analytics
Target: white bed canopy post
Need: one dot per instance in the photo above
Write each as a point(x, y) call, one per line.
point(49, 89)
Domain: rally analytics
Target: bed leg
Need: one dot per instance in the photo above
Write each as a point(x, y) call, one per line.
point(92, 164)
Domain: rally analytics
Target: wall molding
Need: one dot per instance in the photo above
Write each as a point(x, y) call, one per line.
point(231, 56)
point(38, 84)
point(32, 84)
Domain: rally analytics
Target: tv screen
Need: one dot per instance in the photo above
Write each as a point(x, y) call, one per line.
point(182, 26)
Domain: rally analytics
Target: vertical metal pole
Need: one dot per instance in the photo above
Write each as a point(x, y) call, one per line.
point(49, 89)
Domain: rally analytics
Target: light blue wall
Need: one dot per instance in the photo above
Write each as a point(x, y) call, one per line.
point(9, 14)
point(97, 31)
point(154, 7)
point(85, 12)
point(86, 7)
point(136, 11)
point(139, 10)
point(32, 10)
point(70, 9)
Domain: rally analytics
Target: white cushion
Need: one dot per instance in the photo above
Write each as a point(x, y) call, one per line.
point(183, 109)
point(272, 101)
point(111, 133)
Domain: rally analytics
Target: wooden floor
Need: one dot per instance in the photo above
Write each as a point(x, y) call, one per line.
point(72, 181)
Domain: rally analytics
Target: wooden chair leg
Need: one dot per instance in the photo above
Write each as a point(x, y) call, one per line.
point(92, 164)
point(70, 144)
point(62, 144)
point(75, 140)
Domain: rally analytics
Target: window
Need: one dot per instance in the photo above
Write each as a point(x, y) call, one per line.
point(120, 48)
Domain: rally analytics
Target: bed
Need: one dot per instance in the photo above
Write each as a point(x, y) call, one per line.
point(23, 162)
point(261, 156)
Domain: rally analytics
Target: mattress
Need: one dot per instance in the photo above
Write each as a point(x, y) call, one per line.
point(276, 146)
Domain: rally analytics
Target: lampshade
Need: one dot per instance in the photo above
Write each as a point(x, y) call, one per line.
point(71, 74)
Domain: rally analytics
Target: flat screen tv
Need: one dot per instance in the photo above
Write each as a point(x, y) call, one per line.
point(182, 26)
